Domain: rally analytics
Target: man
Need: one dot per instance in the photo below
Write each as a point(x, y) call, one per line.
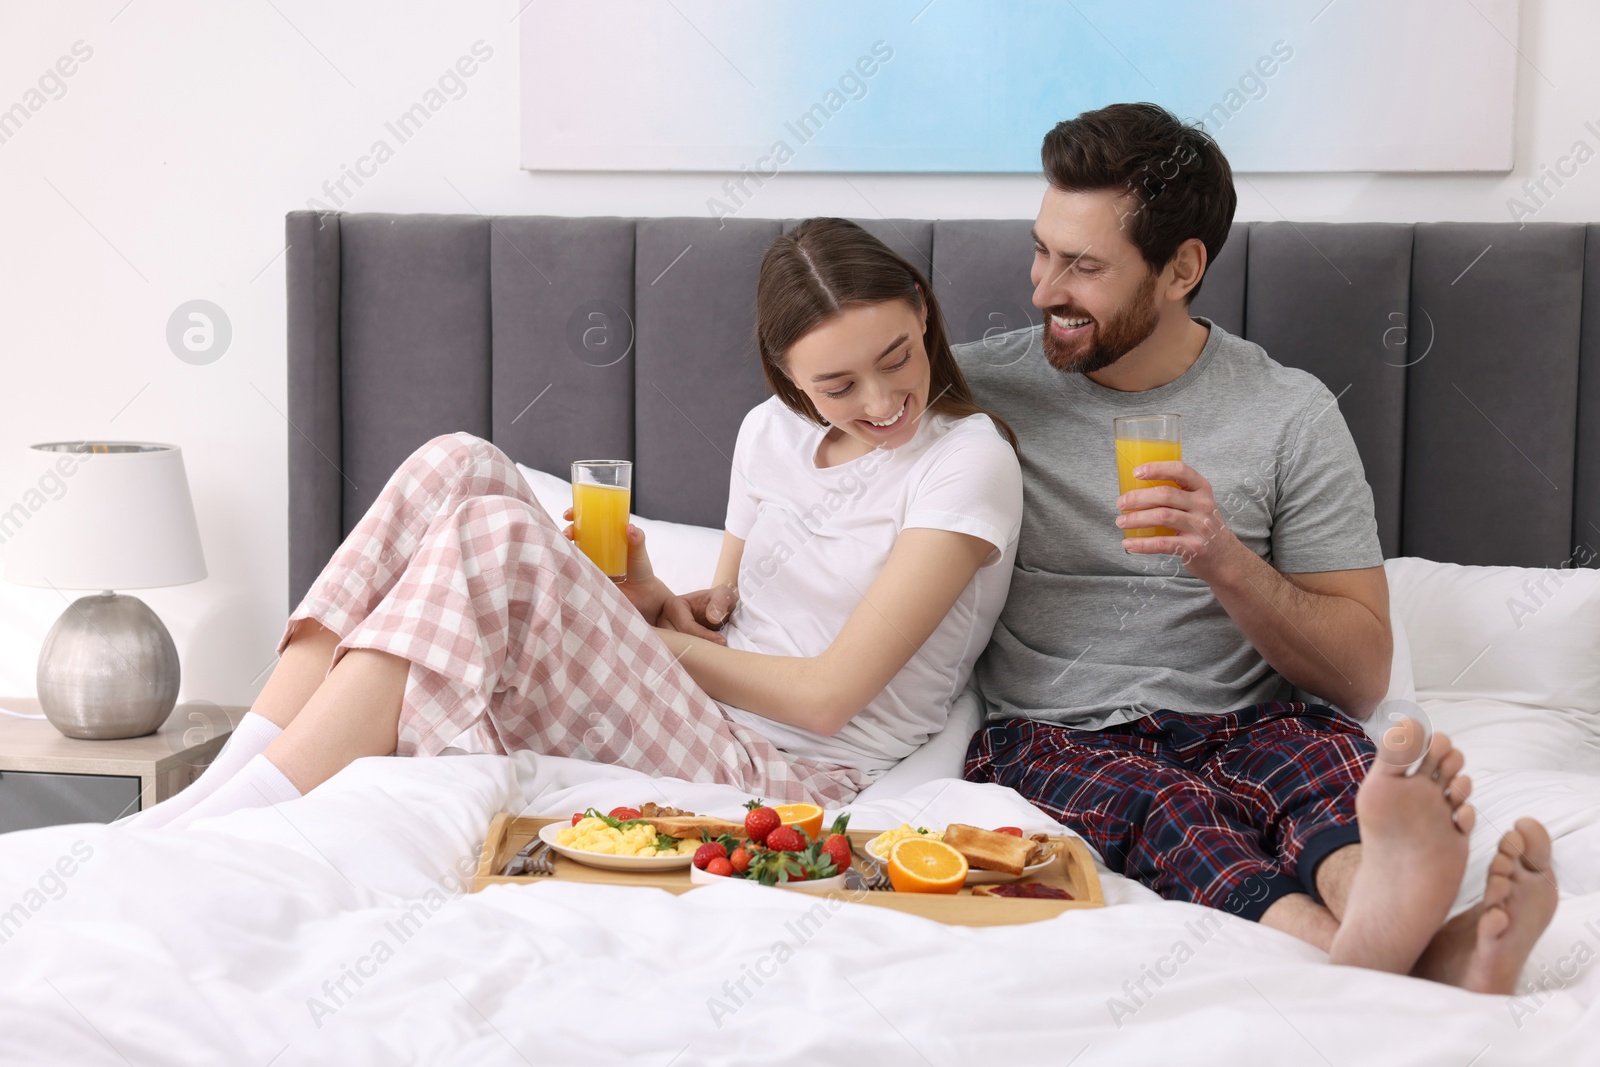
point(1138, 688)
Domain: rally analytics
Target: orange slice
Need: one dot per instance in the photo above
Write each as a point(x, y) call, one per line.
point(807, 817)
point(918, 865)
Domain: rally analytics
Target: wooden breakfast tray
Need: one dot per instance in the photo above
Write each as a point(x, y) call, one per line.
point(1073, 871)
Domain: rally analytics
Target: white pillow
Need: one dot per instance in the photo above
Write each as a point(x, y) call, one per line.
point(943, 755)
point(684, 557)
point(1402, 679)
point(1513, 634)
point(1514, 682)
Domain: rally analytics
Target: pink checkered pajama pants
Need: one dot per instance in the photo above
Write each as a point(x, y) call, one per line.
point(457, 569)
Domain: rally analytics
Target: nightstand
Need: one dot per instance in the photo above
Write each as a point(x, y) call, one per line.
point(47, 779)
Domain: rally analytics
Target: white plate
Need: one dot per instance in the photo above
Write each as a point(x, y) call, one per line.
point(975, 876)
point(819, 885)
point(609, 862)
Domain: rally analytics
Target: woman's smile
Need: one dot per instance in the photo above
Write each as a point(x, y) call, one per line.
point(891, 426)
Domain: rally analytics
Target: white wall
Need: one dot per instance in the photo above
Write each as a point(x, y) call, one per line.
point(163, 173)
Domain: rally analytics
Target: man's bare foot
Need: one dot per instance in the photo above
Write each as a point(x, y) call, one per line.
point(1413, 852)
point(1519, 901)
point(1484, 948)
point(1447, 955)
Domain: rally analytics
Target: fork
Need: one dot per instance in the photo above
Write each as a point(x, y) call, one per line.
point(534, 859)
point(872, 872)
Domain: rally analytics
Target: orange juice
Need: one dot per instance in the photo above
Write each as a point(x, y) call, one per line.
point(1133, 453)
point(600, 519)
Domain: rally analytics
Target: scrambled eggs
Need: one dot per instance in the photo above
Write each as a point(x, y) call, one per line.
point(884, 843)
point(593, 835)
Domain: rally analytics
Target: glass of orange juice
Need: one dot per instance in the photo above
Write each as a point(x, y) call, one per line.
point(1146, 439)
point(601, 489)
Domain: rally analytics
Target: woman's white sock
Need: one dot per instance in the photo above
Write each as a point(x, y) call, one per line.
point(258, 784)
point(248, 740)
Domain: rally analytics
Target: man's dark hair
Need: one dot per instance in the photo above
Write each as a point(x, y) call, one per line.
point(1180, 181)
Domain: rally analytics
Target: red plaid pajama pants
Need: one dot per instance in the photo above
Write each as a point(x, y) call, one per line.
point(1231, 811)
point(458, 570)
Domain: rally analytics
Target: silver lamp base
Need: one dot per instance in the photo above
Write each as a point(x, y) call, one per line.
point(108, 669)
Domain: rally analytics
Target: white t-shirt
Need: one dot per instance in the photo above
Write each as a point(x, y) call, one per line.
point(815, 539)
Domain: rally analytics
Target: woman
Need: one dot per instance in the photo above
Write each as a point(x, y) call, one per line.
point(872, 522)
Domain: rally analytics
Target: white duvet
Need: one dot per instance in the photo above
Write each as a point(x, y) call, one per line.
point(333, 930)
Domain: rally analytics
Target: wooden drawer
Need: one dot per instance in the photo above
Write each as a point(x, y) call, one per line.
point(30, 799)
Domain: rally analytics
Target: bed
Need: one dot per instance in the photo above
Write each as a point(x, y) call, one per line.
point(335, 929)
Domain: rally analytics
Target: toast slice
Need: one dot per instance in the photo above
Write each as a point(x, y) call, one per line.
point(987, 850)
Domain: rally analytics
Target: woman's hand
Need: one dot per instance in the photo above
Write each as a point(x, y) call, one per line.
point(701, 613)
point(643, 589)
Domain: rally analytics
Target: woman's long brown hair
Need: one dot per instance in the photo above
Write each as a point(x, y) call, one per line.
point(824, 266)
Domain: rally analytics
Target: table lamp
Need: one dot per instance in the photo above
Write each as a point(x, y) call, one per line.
point(105, 515)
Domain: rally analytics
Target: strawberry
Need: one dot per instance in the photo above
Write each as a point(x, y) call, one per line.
point(760, 822)
point(624, 814)
point(709, 852)
point(837, 844)
point(1014, 831)
point(720, 867)
point(774, 868)
point(577, 817)
point(785, 839)
point(740, 859)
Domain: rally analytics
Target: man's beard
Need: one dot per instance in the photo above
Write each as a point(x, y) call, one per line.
point(1129, 328)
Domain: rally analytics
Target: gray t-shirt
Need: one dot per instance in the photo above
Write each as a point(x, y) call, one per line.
point(1092, 636)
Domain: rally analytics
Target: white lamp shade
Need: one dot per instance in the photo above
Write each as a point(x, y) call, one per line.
point(102, 515)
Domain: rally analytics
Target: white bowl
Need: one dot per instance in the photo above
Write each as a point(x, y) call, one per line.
point(697, 876)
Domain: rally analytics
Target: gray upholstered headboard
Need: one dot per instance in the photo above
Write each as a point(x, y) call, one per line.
point(1466, 357)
